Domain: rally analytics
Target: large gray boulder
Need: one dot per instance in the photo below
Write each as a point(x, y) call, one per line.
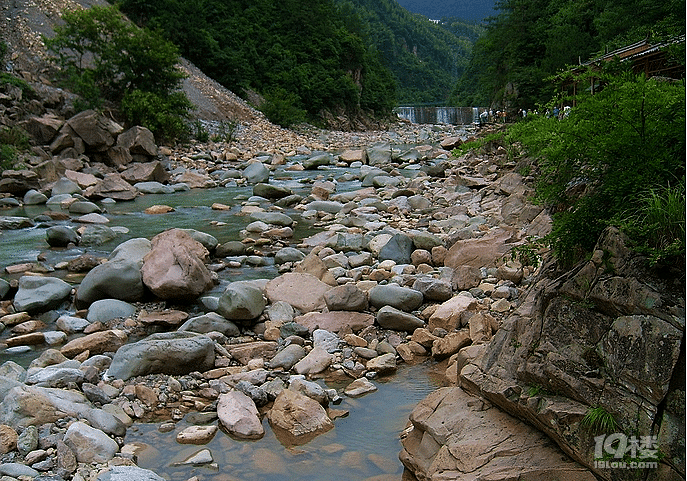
point(40, 293)
point(210, 322)
point(399, 249)
point(118, 278)
point(242, 301)
point(256, 173)
point(391, 318)
point(402, 298)
point(166, 353)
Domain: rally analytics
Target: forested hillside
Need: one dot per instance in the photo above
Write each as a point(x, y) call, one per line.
point(466, 10)
point(298, 55)
point(426, 59)
point(530, 40)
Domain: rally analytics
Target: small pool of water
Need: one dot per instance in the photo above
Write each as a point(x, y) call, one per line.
point(364, 445)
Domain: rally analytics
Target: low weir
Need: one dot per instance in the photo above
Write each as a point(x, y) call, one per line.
point(440, 115)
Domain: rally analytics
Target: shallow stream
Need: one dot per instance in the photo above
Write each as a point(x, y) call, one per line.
point(363, 445)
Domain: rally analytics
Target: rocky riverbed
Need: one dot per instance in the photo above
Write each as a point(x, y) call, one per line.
point(325, 259)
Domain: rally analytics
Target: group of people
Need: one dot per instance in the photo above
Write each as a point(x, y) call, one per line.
point(502, 116)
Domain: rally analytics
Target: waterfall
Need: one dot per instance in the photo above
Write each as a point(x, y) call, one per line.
point(440, 115)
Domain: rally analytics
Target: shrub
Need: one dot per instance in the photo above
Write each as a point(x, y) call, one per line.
point(281, 108)
point(598, 420)
point(165, 116)
point(626, 139)
point(103, 56)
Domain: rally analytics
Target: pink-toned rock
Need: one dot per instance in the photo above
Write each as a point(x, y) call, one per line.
point(159, 209)
point(81, 179)
point(112, 186)
point(197, 434)
point(175, 266)
point(43, 129)
point(246, 351)
point(170, 317)
point(195, 180)
point(485, 251)
point(146, 172)
point(239, 416)
point(456, 436)
point(450, 344)
point(95, 343)
point(336, 321)
point(447, 315)
point(303, 291)
point(298, 419)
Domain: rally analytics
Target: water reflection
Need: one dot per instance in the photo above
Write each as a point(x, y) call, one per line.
point(363, 445)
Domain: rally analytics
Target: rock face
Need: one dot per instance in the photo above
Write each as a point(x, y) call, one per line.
point(175, 266)
point(595, 346)
point(457, 436)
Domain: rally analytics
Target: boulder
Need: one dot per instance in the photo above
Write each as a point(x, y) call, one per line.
point(146, 172)
point(97, 131)
point(210, 322)
point(167, 353)
point(256, 173)
point(104, 310)
point(118, 278)
point(448, 315)
point(347, 297)
point(269, 191)
point(239, 416)
point(24, 406)
point(296, 419)
point(456, 436)
point(90, 445)
point(398, 249)
point(318, 160)
point(61, 236)
point(485, 251)
point(128, 473)
point(336, 321)
point(112, 186)
point(402, 298)
point(303, 291)
point(241, 300)
point(175, 266)
point(40, 293)
point(95, 343)
point(138, 140)
point(391, 318)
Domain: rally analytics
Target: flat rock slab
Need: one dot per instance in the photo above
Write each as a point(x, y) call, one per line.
point(457, 436)
point(335, 321)
point(303, 291)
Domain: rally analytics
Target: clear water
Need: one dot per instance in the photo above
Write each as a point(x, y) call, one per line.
point(363, 445)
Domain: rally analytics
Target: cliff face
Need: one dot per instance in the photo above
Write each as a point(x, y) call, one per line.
point(594, 359)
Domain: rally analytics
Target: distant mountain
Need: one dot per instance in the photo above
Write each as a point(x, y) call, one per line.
point(426, 58)
point(470, 10)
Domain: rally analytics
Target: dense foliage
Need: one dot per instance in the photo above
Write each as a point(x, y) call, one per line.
point(467, 10)
point(298, 55)
point(617, 158)
point(426, 58)
point(104, 57)
point(530, 40)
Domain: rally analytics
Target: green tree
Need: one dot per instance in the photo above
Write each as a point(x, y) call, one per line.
point(604, 159)
point(103, 56)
